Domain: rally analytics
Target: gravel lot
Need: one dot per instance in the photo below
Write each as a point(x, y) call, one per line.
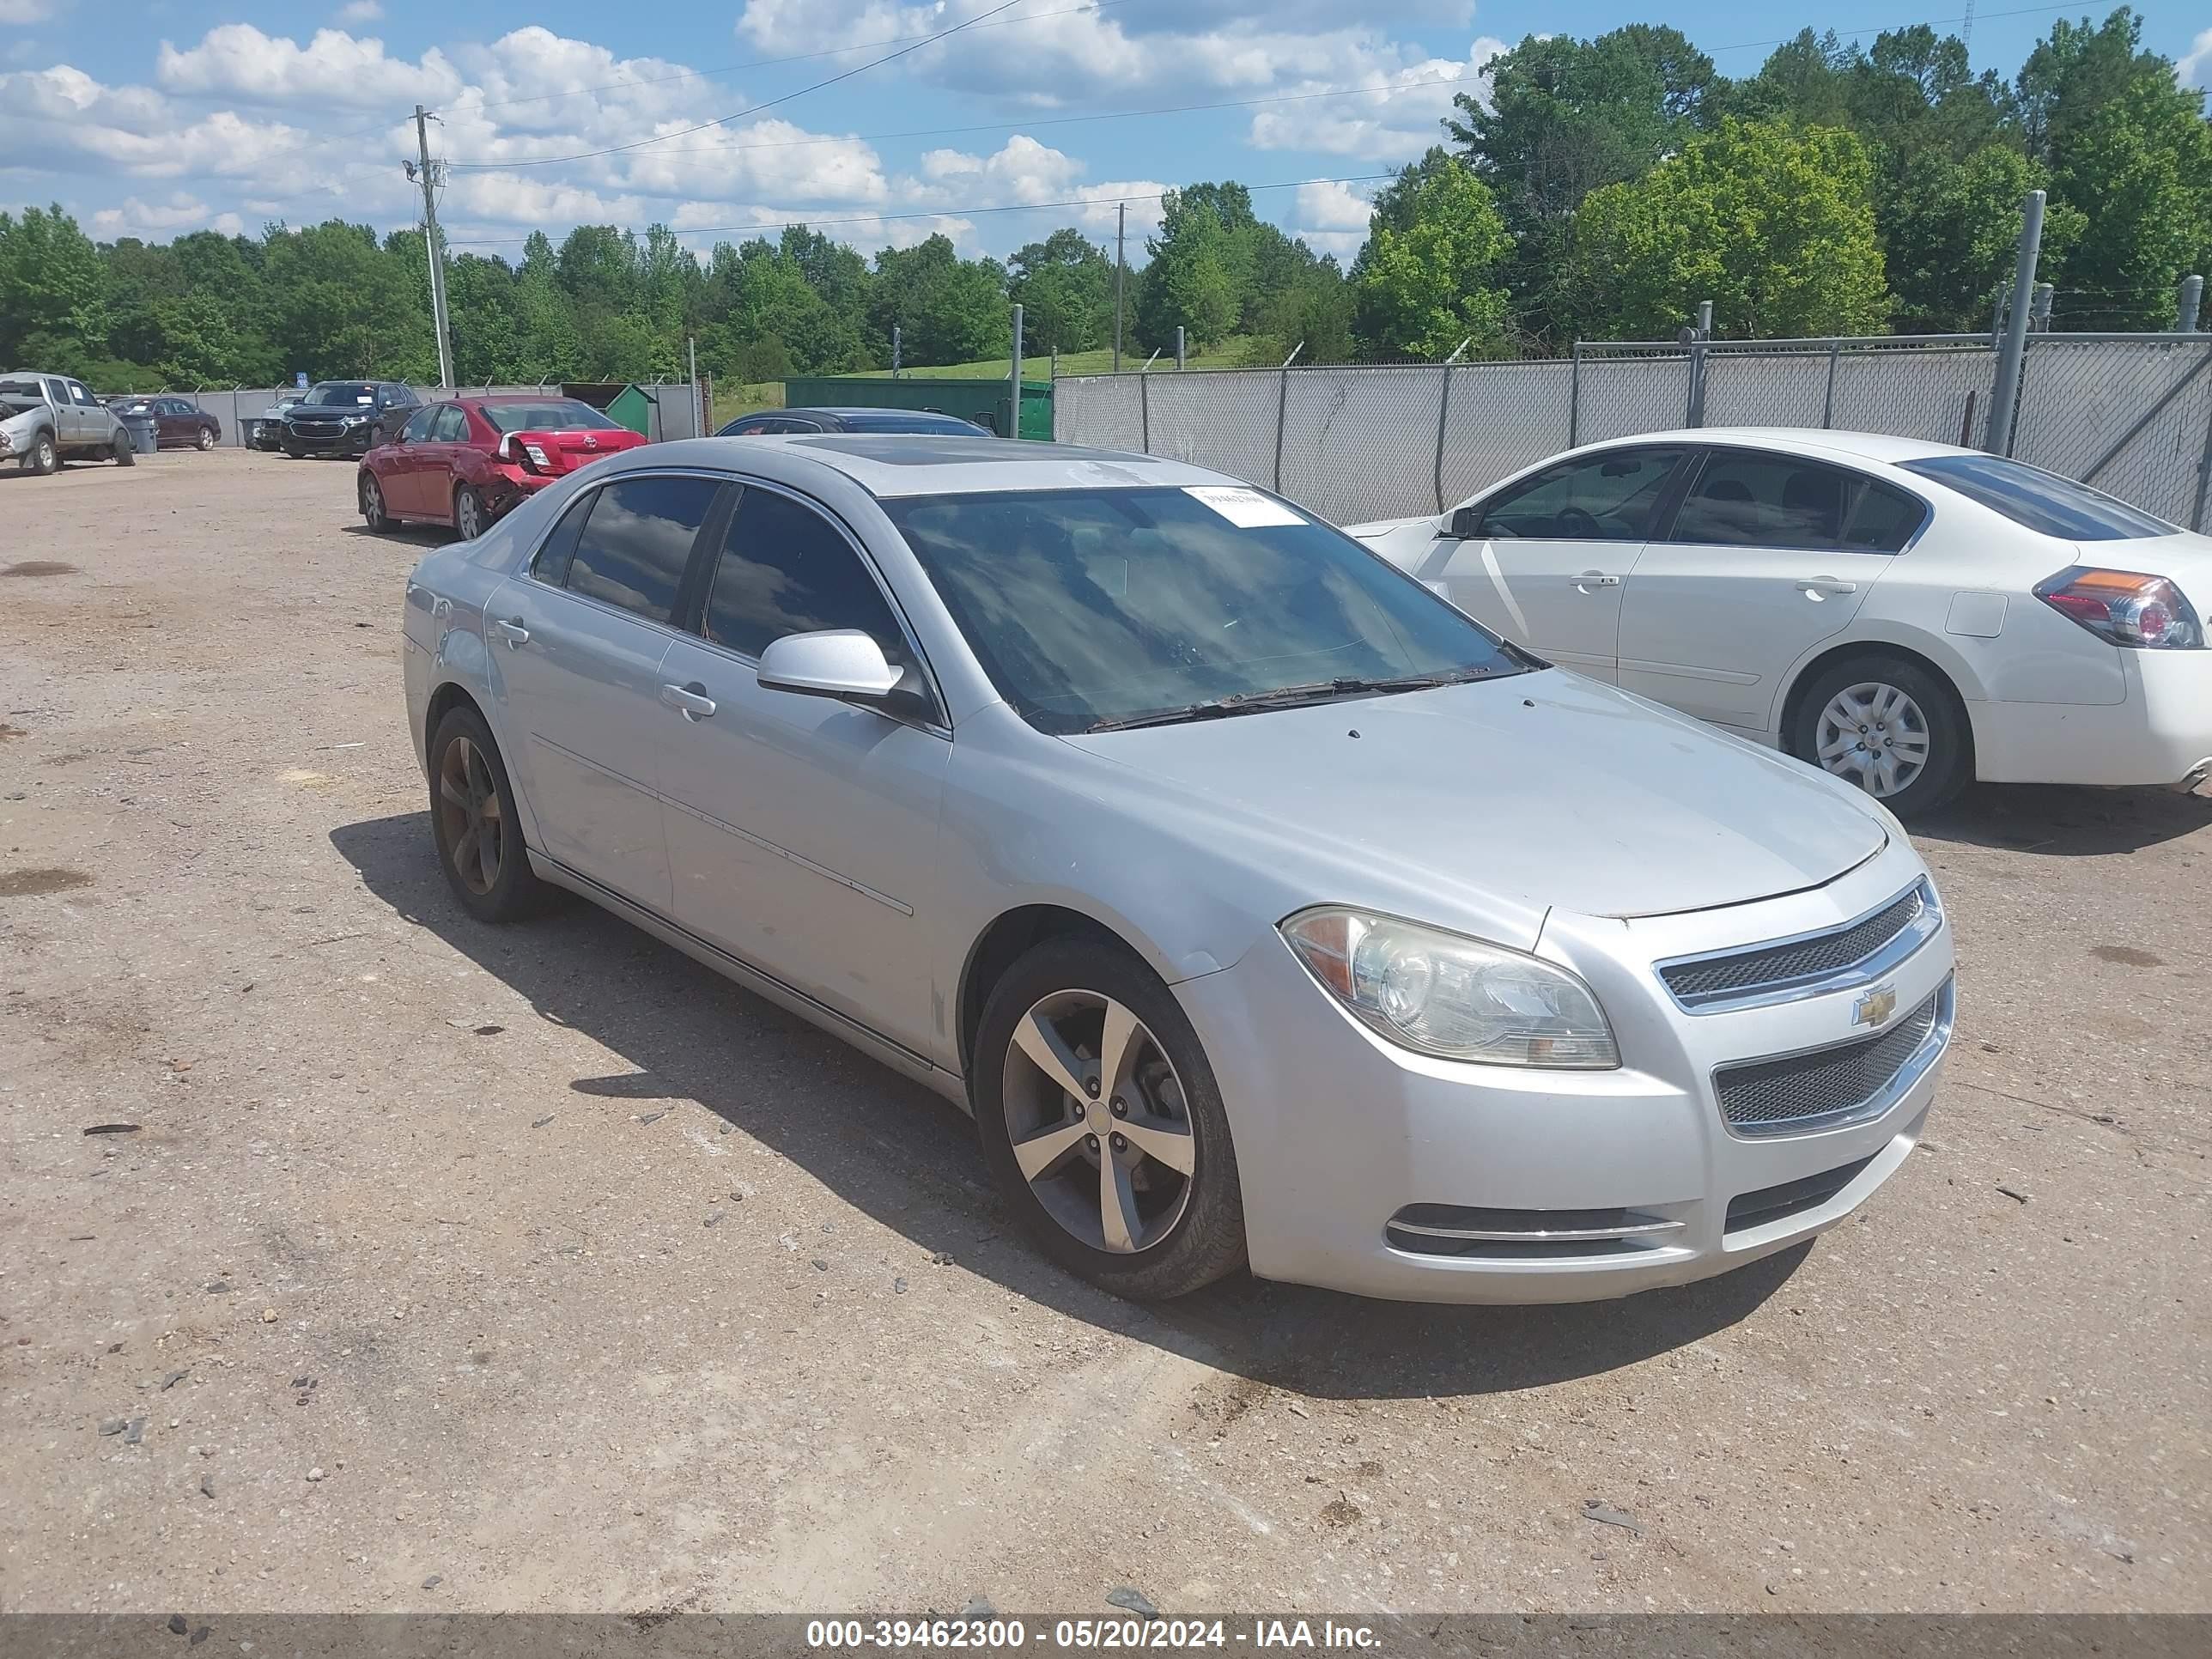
point(462, 1268)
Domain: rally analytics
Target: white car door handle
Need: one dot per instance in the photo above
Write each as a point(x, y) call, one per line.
point(513, 632)
point(1590, 579)
point(690, 700)
point(1822, 587)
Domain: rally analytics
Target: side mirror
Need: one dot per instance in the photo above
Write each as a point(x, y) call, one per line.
point(836, 662)
point(1466, 522)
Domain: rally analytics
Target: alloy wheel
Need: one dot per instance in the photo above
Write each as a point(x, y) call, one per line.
point(468, 515)
point(372, 504)
point(468, 808)
point(1098, 1122)
point(1874, 735)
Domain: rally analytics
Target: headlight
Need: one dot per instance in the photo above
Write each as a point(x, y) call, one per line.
point(1454, 997)
point(352, 419)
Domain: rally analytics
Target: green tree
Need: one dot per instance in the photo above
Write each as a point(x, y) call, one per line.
point(1065, 287)
point(1189, 282)
point(947, 309)
point(1776, 227)
point(53, 291)
point(1423, 289)
point(1567, 116)
point(1950, 230)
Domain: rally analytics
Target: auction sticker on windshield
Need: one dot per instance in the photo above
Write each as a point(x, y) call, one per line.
point(1248, 509)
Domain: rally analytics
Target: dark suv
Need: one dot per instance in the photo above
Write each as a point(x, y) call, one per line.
point(348, 417)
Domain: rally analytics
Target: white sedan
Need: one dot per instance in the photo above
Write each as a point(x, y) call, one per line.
point(1911, 615)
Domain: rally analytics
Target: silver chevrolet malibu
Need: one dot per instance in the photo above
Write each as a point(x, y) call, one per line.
point(1260, 906)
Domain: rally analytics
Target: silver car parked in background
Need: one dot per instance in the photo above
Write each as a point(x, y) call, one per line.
point(1258, 904)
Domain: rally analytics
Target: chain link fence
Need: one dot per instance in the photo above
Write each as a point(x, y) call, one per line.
point(674, 412)
point(2130, 414)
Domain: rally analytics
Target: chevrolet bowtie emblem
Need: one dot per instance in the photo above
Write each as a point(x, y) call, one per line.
point(1876, 1007)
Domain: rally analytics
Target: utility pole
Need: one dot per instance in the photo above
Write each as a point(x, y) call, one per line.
point(437, 252)
point(1121, 230)
point(1014, 382)
point(2012, 349)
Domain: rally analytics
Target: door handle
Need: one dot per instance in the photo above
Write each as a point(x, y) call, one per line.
point(690, 700)
point(1590, 579)
point(1822, 587)
point(514, 632)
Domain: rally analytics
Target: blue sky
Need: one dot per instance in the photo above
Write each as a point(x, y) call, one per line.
point(230, 116)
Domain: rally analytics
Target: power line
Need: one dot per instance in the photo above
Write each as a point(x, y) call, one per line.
point(948, 212)
point(764, 62)
point(639, 143)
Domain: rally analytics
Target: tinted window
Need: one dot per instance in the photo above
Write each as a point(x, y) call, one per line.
point(451, 425)
point(1090, 605)
point(57, 391)
point(417, 429)
point(1605, 498)
point(564, 415)
point(1743, 499)
point(636, 540)
point(948, 423)
point(1884, 520)
point(785, 570)
point(2041, 501)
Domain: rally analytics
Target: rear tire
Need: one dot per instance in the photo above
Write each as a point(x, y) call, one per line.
point(373, 512)
point(126, 453)
point(1890, 727)
point(1178, 1230)
point(470, 520)
point(45, 459)
point(475, 824)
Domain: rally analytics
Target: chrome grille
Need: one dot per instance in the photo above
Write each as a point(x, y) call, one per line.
point(1770, 1097)
point(1743, 974)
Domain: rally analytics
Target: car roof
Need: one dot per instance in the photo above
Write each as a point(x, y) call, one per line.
point(888, 464)
point(1815, 441)
point(865, 412)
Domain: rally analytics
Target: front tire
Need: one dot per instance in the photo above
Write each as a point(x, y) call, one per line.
point(469, 516)
point(372, 511)
point(126, 453)
point(1887, 724)
point(295, 452)
point(1102, 1123)
point(474, 821)
point(206, 440)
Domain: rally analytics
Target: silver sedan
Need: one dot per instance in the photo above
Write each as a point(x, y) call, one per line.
point(1258, 905)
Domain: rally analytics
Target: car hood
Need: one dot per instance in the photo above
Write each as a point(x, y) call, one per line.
point(319, 409)
point(1542, 790)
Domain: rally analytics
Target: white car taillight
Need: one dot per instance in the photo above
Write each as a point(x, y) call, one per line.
point(2124, 607)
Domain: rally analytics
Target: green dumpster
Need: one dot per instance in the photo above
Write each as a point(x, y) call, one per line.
point(982, 401)
point(624, 403)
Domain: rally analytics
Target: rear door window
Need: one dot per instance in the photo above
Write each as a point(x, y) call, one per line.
point(1745, 499)
point(635, 541)
point(1610, 497)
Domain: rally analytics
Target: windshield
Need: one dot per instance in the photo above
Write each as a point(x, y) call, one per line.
point(1092, 607)
point(565, 416)
point(2041, 501)
point(351, 393)
point(923, 423)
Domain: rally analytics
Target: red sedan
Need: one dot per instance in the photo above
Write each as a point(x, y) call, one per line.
point(466, 461)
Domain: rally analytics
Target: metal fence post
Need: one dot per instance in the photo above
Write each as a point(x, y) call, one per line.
point(2203, 480)
point(1282, 413)
point(2013, 350)
point(1574, 399)
point(1144, 412)
point(2192, 295)
point(1828, 405)
point(1444, 412)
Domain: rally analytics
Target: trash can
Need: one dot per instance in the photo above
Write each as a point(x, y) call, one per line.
point(143, 438)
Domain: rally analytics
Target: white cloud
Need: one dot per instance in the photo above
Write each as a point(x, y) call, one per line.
point(2196, 69)
point(1331, 217)
point(360, 11)
point(1391, 125)
point(162, 220)
point(26, 11)
point(237, 60)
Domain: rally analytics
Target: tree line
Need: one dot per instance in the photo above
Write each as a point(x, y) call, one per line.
point(1601, 190)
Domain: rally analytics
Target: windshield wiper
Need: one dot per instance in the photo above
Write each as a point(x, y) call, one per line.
point(1287, 696)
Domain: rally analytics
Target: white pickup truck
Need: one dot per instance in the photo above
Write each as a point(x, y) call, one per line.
point(47, 419)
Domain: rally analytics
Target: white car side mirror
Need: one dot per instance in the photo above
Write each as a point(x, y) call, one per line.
point(835, 662)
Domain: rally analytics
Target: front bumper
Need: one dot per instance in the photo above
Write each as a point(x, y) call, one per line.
point(356, 440)
point(2161, 732)
point(1338, 1134)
